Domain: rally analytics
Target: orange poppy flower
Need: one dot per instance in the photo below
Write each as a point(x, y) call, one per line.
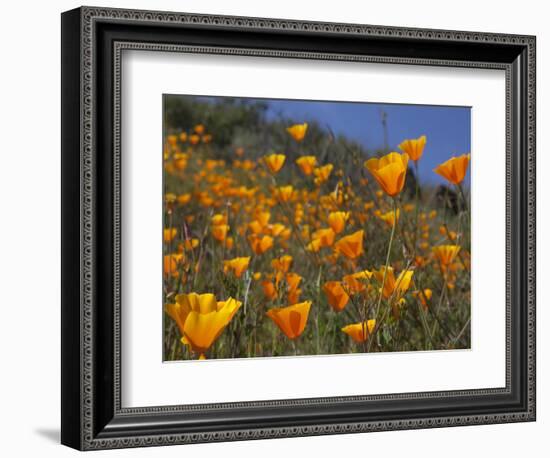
point(201, 319)
point(170, 198)
point(314, 245)
point(297, 131)
point(337, 221)
point(414, 147)
point(351, 246)
point(291, 320)
point(446, 253)
point(268, 287)
point(172, 140)
point(180, 161)
point(284, 193)
point(424, 297)
point(170, 234)
point(282, 264)
point(336, 295)
point(274, 162)
point(219, 231)
point(322, 174)
point(218, 219)
point(454, 170)
point(392, 286)
point(293, 292)
point(324, 236)
point(184, 198)
point(388, 217)
point(357, 282)
point(188, 245)
point(260, 244)
point(276, 229)
point(199, 129)
point(171, 263)
point(389, 171)
point(360, 332)
point(255, 227)
point(293, 281)
point(236, 265)
point(307, 164)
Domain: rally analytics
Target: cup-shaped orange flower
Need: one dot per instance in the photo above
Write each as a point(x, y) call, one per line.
point(188, 245)
point(357, 282)
point(269, 289)
point(336, 295)
point(219, 231)
point(293, 292)
point(276, 229)
point(274, 162)
point(314, 245)
point(282, 264)
point(291, 320)
point(414, 147)
point(389, 171)
point(170, 234)
point(337, 221)
point(360, 332)
point(293, 281)
point(454, 170)
point(260, 244)
point(199, 129)
point(262, 217)
point(307, 164)
point(446, 254)
point(395, 287)
point(236, 265)
point(180, 161)
point(322, 174)
point(423, 296)
point(324, 236)
point(218, 219)
point(201, 319)
point(171, 264)
point(389, 217)
point(184, 199)
point(351, 246)
point(284, 193)
point(255, 227)
point(297, 131)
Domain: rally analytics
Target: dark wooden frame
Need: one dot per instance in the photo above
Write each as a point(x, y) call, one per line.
point(92, 42)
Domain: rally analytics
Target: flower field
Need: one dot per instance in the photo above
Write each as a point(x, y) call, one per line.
point(281, 238)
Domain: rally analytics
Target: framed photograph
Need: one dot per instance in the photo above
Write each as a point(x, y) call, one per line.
point(277, 228)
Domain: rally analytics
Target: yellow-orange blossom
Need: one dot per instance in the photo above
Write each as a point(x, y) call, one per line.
point(292, 319)
point(389, 171)
point(201, 319)
point(454, 169)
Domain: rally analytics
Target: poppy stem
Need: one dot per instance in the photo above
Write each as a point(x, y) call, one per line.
point(387, 260)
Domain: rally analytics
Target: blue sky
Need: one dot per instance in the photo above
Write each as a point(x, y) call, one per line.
point(448, 129)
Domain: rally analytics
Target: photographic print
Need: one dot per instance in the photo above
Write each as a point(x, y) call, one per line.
point(300, 228)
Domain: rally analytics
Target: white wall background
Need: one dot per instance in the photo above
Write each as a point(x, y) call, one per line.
point(30, 228)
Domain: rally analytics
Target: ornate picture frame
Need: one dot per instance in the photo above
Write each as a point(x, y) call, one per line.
point(93, 416)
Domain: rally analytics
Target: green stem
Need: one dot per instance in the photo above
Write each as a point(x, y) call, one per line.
point(387, 259)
